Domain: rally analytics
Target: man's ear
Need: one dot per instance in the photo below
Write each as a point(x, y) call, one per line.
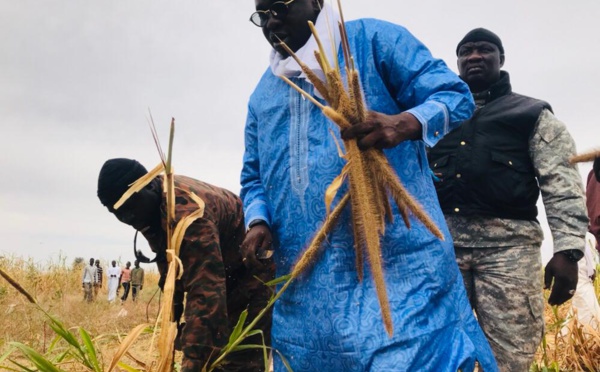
point(501, 60)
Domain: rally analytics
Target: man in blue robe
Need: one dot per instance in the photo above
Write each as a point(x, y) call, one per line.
point(328, 320)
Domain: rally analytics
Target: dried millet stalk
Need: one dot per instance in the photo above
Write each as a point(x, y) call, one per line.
point(585, 157)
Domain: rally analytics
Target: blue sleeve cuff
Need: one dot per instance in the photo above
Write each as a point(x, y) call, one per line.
point(434, 118)
point(257, 210)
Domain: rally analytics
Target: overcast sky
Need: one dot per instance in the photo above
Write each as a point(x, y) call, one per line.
point(77, 79)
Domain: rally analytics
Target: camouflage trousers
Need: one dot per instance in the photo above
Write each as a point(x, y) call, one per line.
point(504, 286)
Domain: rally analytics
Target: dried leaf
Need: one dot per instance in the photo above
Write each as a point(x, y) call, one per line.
point(139, 184)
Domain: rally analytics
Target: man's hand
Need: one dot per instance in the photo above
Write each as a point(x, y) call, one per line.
point(564, 272)
point(258, 239)
point(384, 131)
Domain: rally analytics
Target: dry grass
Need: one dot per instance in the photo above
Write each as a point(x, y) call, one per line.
point(57, 289)
point(577, 349)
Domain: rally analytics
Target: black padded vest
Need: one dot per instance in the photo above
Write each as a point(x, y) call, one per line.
point(484, 165)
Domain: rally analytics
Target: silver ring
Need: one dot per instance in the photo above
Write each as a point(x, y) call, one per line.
point(572, 291)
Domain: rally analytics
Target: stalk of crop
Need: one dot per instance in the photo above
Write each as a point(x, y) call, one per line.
point(17, 286)
point(84, 352)
point(310, 255)
point(175, 235)
point(585, 157)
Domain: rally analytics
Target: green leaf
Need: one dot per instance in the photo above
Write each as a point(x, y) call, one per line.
point(238, 327)
point(23, 368)
point(59, 358)
point(63, 332)
point(247, 347)
point(54, 342)
point(281, 279)
point(90, 349)
point(284, 361)
point(36, 358)
point(254, 332)
point(127, 367)
point(5, 355)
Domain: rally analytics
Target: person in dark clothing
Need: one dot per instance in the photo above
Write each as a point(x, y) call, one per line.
point(99, 277)
point(490, 172)
point(592, 193)
point(137, 279)
point(218, 285)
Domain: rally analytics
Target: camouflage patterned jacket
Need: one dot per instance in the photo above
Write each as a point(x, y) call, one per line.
point(213, 269)
point(562, 193)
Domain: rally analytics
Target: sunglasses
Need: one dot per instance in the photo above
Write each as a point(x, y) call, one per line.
point(278, 10)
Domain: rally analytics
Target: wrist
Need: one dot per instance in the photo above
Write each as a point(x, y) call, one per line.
point(573, 255)
point(410, 125)
point(256, 223)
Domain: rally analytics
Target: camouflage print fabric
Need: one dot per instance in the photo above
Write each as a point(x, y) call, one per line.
point(217, 284)
point(500, 258)
point(504, 286)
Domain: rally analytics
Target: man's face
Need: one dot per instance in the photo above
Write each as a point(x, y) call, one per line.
point(293, 29)
point(479, 64)
point(91, 261)
point(141, 210)
point(97, 263)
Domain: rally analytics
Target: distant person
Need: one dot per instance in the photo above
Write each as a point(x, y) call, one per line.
point(592, 193)
point(114, 274)
point(584, 305)
point(217, 285)
point(491, 170)
point(137, 279)
point(98, 283)
point(88, 281)
point(126, 281)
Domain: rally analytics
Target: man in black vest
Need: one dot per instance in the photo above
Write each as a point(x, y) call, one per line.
point(490, 172)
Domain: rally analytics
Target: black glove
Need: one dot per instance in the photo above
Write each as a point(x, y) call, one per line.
point(563, 270)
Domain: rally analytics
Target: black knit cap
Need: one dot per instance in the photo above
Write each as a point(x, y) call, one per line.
point(115, 177)
point(481, 34)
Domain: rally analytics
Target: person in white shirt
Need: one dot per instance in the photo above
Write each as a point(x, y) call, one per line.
point(584, 305)
point(88, 280)
point(114, 274)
